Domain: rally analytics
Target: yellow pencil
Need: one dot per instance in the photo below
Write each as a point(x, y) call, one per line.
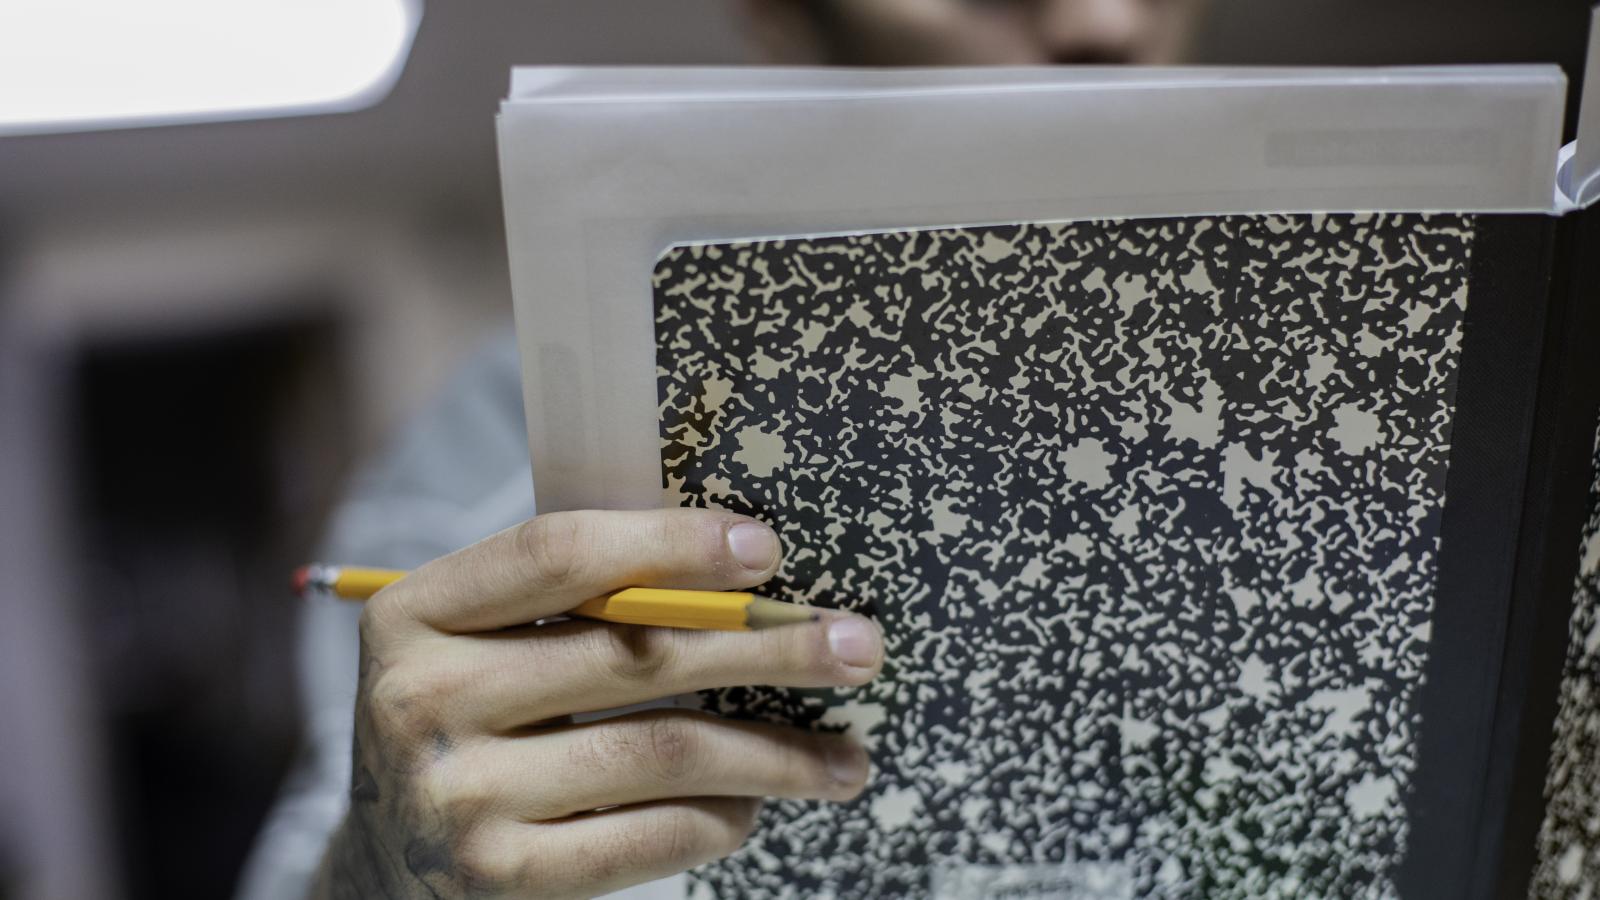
point(717, 610)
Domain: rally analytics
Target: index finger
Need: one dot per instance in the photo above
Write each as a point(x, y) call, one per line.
point(551, 563)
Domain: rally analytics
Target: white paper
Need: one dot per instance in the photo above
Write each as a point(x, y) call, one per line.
point(604, 168)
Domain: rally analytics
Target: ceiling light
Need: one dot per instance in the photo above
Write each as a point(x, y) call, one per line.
point(75, 65)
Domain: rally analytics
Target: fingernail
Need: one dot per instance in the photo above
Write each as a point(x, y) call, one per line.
point(847, 762)
point(753, 545)
point(854, 641)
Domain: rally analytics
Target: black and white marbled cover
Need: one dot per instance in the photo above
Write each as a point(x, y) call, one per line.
point(1567, 863)
point(1149, 511)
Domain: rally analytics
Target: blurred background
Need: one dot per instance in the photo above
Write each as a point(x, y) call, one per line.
point(203, 327)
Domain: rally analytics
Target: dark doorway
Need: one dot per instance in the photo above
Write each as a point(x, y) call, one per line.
point(204, 463)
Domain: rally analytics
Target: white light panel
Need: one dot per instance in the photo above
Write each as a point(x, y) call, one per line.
point(74, 65)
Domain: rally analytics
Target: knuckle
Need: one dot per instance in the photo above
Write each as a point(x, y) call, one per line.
point(459, 795)
point(554, 545)
point(593, 751)
point(635, 654)
point(485, 865)
point(404, 703)
point(435, 792)
point(673, 744)
point(675, 835)
point(662, 748)
point(389, 701)
point(377, 620)
point(542, 863)
point(479, 869)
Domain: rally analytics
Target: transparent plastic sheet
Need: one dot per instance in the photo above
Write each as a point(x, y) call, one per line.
point(605, 168)
point(1581, 182)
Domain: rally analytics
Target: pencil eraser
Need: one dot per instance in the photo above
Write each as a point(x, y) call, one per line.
point(300, 580)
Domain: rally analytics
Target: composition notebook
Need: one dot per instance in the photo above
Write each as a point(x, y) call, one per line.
point(1215, 447)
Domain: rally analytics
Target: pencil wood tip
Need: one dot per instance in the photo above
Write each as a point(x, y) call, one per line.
point(764, 612)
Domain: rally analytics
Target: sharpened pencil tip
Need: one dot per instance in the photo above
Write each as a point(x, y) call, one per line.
point(764, 612)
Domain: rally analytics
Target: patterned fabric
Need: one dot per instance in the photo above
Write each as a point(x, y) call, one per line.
point(1149, 511)
point(1568, 848)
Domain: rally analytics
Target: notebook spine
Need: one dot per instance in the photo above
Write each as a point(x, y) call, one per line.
point(1503, 341)
point(1556, 499)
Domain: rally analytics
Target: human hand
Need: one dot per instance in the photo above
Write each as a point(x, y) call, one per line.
point(469, 778)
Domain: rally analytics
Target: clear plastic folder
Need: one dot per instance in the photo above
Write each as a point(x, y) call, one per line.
point(603, 169)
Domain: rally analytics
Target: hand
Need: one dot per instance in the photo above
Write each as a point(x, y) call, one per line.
point(470, 779)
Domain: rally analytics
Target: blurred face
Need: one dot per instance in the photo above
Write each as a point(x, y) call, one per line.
point(955, 32)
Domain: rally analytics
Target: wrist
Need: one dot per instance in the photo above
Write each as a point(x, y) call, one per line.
point(352, 867)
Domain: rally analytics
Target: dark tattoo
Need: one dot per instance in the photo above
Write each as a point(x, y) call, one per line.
point(393, 843)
